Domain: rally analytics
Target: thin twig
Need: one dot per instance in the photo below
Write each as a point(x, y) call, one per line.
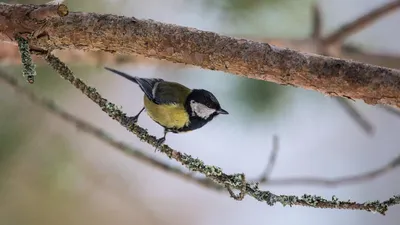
point(242, 193)
point(360, 23)
point(265, 176)
point(356, 115)
point(345, 180)
point(316, 22)
point(213, 172)
point(390, 110)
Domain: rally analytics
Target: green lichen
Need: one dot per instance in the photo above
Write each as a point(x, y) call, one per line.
point(288, 200)
point(213, 171)
point(312, 200)
point(191, 163)
point(198, 165)
point(335, 201)
point(112, 109)
point(237, 180)
point(29, 68)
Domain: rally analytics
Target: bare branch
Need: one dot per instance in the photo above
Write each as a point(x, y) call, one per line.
point(209, 50)
point(347, 51)
point(345, 180)
point(265, 176)
point(359, 24)
point(9, 55)
point(316, 22)
point(31, 20)
point(391, 110)
point(355, 115)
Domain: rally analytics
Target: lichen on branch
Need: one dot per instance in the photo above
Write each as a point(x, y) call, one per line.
point(235, 181)
point(29, 68)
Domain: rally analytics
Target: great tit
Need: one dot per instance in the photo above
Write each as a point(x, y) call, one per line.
point(173, 106)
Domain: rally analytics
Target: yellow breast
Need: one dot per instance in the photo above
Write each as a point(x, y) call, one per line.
point(170, 116)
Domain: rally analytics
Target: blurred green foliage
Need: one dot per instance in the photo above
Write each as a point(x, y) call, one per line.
point(55, 165)
point(256, 98)
point(17, 121)
point(11, 133)
point(48, 82)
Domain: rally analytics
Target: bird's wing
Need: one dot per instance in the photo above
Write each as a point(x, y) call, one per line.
point(170, 93)
point(157, 90)
point(148, 86)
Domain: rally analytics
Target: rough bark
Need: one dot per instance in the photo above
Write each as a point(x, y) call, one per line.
point(124, 35)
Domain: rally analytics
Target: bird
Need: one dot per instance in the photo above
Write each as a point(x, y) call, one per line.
point(174, 106)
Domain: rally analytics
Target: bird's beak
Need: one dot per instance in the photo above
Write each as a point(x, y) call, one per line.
point(222, 111)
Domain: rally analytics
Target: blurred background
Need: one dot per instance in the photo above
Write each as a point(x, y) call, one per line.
point(53, 173)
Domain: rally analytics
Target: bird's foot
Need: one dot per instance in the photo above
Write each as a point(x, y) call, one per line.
point(159, 143)
point(130, 120)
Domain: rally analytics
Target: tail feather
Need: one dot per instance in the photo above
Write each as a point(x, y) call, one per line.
point(122, 74)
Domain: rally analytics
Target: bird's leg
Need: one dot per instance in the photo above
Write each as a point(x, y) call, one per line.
point(161, 141)
point(132, 119)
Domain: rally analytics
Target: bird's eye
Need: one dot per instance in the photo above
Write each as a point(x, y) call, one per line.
point(191, 101)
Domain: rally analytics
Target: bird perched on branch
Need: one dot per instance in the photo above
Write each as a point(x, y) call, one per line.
point(173, 106)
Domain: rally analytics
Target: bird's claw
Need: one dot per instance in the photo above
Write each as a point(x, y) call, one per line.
point(130, 120)
point(159, 143)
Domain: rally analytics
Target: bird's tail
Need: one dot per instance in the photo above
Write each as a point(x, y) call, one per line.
point(122, 74)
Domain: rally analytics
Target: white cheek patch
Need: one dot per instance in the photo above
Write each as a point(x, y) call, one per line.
point(201, 110)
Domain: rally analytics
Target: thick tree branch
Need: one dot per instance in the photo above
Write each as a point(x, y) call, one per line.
point(110, 33)
point(9, 55)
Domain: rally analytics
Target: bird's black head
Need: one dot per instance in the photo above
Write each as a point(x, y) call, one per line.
point(203, 105)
